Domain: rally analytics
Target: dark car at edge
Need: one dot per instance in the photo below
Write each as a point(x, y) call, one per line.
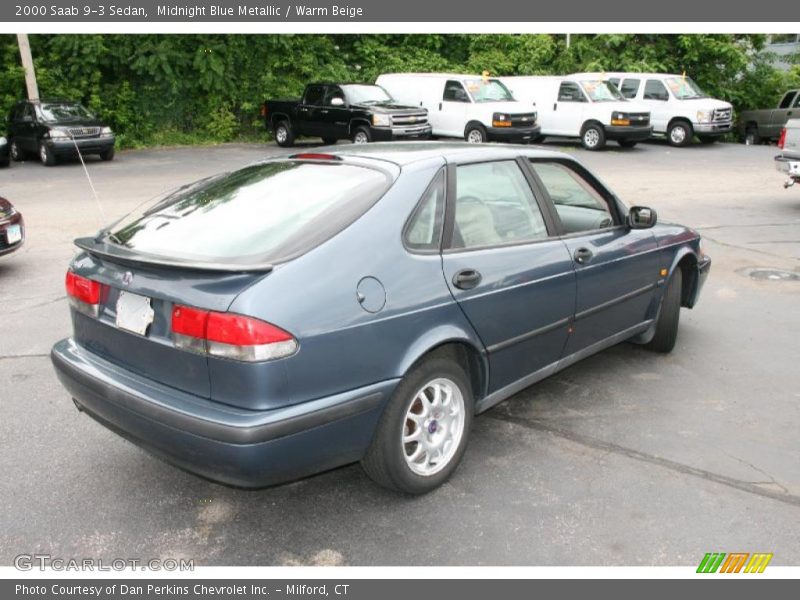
point(12, 228)
point(360, 303)
point(55, 129)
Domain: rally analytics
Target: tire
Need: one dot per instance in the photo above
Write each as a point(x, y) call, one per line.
point(593, 137)
point(751, 136)
point(680, 133)
point(16, 153)
point(668, 316)
point(107, 155)
point(538, 139)
point(329, 141)
point(46, 156)
point(475, 134)
point(284, 136)
point(4, 162)
point(391, 462)
point(361, 135)
point(627, 143)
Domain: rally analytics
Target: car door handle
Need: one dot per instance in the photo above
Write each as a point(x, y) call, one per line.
point(440, 106)
point(555, 105)
point(582, 255)
point(466, 279)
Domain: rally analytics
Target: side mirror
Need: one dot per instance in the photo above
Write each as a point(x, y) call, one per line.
point(337, 101)
point(641, 217)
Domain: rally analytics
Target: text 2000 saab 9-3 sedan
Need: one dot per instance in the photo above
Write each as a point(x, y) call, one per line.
point(360, 304)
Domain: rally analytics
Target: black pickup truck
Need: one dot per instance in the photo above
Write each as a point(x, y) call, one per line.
point(358, 112)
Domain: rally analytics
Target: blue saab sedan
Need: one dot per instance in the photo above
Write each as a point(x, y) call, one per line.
point(360, 303)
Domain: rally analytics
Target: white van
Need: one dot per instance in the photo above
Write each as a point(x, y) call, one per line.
point(476, 108)
point(584, 106)
point(679, 109)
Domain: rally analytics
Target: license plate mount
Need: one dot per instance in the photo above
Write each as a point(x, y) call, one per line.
point(134, 313)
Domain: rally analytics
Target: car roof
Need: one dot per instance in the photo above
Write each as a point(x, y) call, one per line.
point(632, 74)
point(441, 75)
point(405, 153)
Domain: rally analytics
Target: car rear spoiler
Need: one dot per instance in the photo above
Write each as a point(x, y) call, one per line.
point(124, 256)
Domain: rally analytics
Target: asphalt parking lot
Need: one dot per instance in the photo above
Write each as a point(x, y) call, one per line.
point(628, 458)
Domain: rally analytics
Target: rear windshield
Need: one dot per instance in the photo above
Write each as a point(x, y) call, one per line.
point(264, 213)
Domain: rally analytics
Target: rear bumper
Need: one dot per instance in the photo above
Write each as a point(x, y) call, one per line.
point(628, 133)
point(713, 129)
point(789, 166)
point(5, 246)
point(96, 145)
point(410, 132)
point(513, 134)
point(233, 446)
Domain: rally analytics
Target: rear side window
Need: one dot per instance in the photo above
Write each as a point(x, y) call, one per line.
point(267, 212)
point(495, 206)
point(314, 95)
point(786, 102)
point(424, 229)
point(630, 87)
point(580, 206)
point(655, 90)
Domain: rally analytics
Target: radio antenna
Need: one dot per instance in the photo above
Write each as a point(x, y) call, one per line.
point(89, 179)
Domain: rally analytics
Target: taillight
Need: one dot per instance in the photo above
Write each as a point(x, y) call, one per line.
point(229, 335)
point(84, 294)
point(263, 110)
point(782, 140)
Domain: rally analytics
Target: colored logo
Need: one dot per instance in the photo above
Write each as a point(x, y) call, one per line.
point(735, 562)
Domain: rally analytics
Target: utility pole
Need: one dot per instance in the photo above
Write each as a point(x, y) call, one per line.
point(27, 64)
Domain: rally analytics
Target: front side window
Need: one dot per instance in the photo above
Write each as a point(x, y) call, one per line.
point(454, 92)
point(424, 229)
point(655, 90)
point(630, 87)
point(332, 93)
point(569, 91)
point(267, 212)
point(495, 206)
point(579, 205)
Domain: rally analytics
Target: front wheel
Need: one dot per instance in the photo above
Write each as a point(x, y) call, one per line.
point(107, 155)
point(593, 137)
point(46, 156)
point(476, 134)
point(284, 134)
point(423, 432)
point(668, 317)
point(680, 134)
point(361, 135)
point(16, 153)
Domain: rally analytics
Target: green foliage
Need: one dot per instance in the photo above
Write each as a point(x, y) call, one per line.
point(206, 88)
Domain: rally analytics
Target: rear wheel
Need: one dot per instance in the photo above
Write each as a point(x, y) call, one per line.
point(284, 135)
point(476, 134)
point(361, 135)
point(593, 137)
point(17, 154)
point(46, 156)
point(680, 133)
point(751, 136)
point(423, 432)
point(627, 143)
point(669, 315)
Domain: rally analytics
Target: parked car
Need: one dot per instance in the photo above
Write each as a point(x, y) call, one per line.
point(679, 109)
point(335, 111)
point(318, 309)
point(583, 106)
point(4, 157)
point(789, 160)
point(756, 126)
point(52, 129)
point(12, 228)
point(472, 107)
